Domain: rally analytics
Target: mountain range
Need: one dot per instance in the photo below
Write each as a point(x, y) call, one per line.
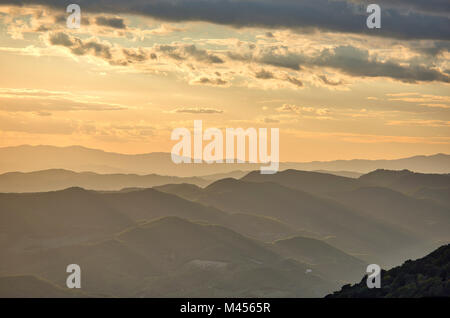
point(291, 234)
point(79, 159)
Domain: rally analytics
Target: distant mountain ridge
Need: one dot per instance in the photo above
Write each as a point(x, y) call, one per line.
point(59, 179)
point(78, 158)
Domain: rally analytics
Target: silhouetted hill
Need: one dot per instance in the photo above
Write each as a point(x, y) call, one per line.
point(184, 190)
point(307, 181)
point(71, 214)
point(30, 221)
point(347, 174)
point(58, 179)
point(425, 277)
point(438, 163)
point(147, 204)
point(232, 174)
point(406, 181)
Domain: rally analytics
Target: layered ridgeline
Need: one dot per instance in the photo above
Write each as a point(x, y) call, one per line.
point(59, 179)
point(293, 234)
point(77, 158)
point(150, 243)
point(382, 224)
point(425, 277)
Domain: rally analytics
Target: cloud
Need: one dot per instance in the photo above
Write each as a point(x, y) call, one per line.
point(294, 81)
point(287, 108)
point(327, 81)
point(263, 74)
point(431, 6)
point(427, 100)
point(81, 47)
point(348, 59)
point(137, 55)
point(42, 102)
point(271, 120)
point(425, 123)
point(306, 111)
point(184, 51)
point(198, 110)
point(112, 22)
point(405, 19)
point(210, 81)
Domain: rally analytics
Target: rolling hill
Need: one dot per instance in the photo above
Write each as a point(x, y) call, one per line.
point(350, 230)
point(282, 235)
point(406, 181)
point(172, 256)
point(421, 216)
point(29, 286)
point(59, 179)
point(330, 261)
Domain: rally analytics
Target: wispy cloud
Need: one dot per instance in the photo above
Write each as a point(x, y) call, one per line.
point(198, 110)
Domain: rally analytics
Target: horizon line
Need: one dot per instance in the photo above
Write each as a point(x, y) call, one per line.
point(168, 153)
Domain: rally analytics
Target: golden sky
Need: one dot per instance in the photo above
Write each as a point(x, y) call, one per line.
point(126, 79)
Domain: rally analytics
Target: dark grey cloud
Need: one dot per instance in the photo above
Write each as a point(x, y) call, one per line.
point(433, 49)
point(349, 60)
point(356, 62)
point(412, 19)
point(81, 47)
point(182, 52)
point(294, 81)
point(112, 22)
point(137, 55)
point(263, 74)
point(439, 7)
point(211, 81)
point(327, 81)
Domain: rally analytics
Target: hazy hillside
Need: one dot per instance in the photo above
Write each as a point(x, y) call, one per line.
point(421, 216)
point(51, 219)
point(439, 195)
point(58, 179)
point(307, 181)
point(292, 234)
point(406, 181)
point(425, 277)
point(438, 163)
point(73, 213)
point(77, 158)
point(349, 229)
point(28, 286)
point(175, 257)
point(348, 174)
point(330, 261)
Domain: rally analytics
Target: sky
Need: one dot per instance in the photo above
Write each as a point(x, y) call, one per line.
point(135, 70)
